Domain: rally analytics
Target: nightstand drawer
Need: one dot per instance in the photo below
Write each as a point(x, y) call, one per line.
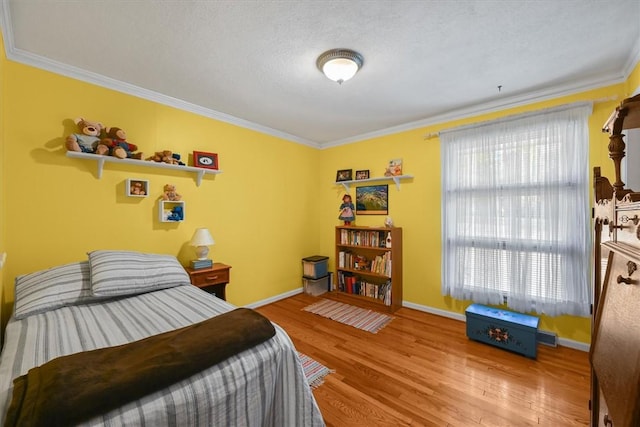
point(208, 278)
point(213, 280)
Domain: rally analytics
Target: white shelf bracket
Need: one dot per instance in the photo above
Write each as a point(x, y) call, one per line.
point(100, 167)
point(397, 181)
point(199, 178)
point(346, 186)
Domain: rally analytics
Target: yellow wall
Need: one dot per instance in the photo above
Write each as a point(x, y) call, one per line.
point(258, 210)
point(416, 207)
point(275, 202)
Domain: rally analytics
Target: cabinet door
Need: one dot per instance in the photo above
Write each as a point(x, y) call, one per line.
point(615, 352)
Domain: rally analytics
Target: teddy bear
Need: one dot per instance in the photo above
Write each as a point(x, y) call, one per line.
point(170, 193)
point(137, 189)
point(86, 141)
point(114, 142)
point(166, 156)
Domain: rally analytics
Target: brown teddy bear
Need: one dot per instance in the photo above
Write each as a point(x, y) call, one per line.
point(137, 189)
point(114, 142)
point(170, 193)
point(164, 156)
point(87, 140)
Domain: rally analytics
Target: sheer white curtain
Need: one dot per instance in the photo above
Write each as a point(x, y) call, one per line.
point(515, 212)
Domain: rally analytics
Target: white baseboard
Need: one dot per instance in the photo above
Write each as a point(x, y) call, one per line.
point(274, 298)
point(431, 310)
point(565, 342)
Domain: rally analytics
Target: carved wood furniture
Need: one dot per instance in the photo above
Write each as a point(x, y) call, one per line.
point(615, 344)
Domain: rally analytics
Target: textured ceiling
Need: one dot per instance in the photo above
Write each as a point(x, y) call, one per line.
point(252, 63)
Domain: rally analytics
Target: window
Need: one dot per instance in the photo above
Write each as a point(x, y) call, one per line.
point(515, 212)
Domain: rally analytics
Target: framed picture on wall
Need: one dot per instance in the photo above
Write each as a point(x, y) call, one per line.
point(372, 200)
point(394, 168)
point(364, 174)
point(344, 175)
point(202, 159)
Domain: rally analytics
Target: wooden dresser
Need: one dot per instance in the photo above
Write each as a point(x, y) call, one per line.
point(615, 343)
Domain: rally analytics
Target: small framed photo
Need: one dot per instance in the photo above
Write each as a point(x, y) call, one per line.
point(137, 187)
point(205, 160)
point(344, 175)
point(394, 168)
point(362, 174)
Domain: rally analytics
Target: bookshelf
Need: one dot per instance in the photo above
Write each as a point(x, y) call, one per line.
point(368, 272)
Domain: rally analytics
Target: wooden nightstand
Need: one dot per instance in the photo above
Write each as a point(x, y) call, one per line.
point(212, 279)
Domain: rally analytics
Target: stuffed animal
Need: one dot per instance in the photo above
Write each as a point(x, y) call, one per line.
point(157, 157)
point(166, 156)
point(87, 140)
point(115, 143)
point(177, 214)
point(176, 159)
point(137, 188)
point(170, 193)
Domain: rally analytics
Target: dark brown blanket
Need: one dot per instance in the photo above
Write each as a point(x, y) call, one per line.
point(74, 388)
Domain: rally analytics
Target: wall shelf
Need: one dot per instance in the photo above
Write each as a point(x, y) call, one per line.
point(200, 172)
point(395, 179)
point(171, 210)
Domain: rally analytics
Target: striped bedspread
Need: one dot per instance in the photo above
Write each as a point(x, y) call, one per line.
point(262, 386)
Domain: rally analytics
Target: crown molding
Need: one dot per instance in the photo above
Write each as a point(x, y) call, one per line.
point(41, 62)
point(129, 89)
point(489, 107)
point(633, 61)
point(47, 64)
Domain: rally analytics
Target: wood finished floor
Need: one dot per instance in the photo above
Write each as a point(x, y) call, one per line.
point(422, 370)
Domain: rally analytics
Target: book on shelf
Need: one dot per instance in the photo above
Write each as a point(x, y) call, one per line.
point(380, 264)
point(199, 264)
point(350, 284)
point(374, 238)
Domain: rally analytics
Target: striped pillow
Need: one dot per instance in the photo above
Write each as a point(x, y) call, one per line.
point(53, 288)
point(115, 273)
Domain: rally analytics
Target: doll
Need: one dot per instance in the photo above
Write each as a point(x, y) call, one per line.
point(347, 209)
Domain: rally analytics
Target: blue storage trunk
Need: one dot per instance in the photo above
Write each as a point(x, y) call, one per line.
point(504, 329)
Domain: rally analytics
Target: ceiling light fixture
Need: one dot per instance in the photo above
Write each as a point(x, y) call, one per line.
point(340, 65)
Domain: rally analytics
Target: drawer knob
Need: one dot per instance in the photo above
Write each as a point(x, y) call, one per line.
point(212, 277)
point(626, 280)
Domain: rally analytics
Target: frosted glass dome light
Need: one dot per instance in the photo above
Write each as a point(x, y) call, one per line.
point(340, 65)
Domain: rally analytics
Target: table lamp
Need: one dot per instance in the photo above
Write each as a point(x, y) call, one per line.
point(201, 240)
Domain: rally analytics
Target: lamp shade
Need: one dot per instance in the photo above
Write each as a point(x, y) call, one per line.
point(340, 65)
point(201, 240)
point(202, 237)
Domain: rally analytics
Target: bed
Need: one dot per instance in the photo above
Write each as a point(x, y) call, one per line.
point(117, 297)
